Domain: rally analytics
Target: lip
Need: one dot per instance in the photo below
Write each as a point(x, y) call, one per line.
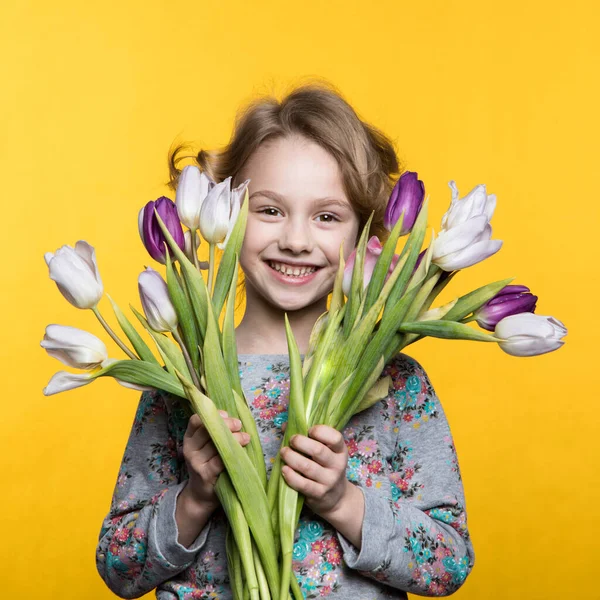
point(295, 281)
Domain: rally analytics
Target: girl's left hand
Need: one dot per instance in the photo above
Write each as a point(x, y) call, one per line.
point(316, 467)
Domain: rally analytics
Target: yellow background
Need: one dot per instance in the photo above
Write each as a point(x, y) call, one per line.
point(93, 95)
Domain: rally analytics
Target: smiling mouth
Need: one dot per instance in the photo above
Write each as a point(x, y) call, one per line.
point(291, 271)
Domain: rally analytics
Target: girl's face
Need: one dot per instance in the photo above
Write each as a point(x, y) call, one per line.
point(298, 217)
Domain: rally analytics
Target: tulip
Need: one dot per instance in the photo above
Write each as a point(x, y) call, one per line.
point(76, 274)
point(215, 212)
point(74, 347)
point(156, 302)
point(527, 334)
point(150, 231)
point(373, 250)
point(465, 236)
point(237, 196)
point(192, 189)
point(510, 300)
point(406, 197)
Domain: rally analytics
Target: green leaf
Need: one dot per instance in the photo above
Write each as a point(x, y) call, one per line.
point(410, 252)
point(382, 265)
point(447, 330)
point(337, 295)
point(227, 266)
point(134, 337)
point(198, 294)
point(143, 373)
point(356, 288)
point(215, 371)
point(184, 313)
point(249, 490)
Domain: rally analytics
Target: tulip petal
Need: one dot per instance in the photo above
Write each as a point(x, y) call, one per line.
point(468, 256)
point(88, 254)
point(64, 381)
point(457, 238)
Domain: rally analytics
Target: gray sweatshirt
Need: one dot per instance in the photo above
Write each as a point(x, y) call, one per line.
point(401, 455)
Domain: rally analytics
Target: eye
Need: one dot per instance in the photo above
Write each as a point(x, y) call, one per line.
point(264, 211)
point(331, 218)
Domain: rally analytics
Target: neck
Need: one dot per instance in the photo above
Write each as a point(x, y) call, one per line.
point(262, 329)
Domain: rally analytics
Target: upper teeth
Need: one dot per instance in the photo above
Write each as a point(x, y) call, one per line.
point(288, 270)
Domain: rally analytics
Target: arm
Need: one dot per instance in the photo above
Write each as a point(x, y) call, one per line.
point(414, 532)
point(140, 543)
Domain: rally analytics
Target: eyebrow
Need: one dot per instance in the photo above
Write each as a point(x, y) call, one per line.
point(275, 196)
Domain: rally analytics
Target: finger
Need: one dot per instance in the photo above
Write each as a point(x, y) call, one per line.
point(296, 481)
point(213, 468)
point(305, 466)
point(194, 422)
point(316, 450)
point(329, 436)
point(233, 424)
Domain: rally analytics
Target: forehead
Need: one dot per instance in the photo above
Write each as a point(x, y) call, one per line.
point(294, 167)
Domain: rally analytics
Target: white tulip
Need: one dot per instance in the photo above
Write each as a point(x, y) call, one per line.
point(237, 196)
point(64, 381)
point(156, 302)
point(74, 347)
point(465, 236)
point(76, 274)
point(192, 189)
point(476, 202)
point(215, 213)
point(528, 334)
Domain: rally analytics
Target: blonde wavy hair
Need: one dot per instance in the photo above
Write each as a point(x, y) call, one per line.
point(366, 157)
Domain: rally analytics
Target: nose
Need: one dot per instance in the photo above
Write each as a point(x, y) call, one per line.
point(296, 237)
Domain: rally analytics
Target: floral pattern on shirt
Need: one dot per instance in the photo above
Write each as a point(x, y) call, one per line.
point(204, 580)
point(317, 557)
point(435, 567)
point(364, 455)
point(271, 399)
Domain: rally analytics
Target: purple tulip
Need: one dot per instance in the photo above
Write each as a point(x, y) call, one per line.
point(510, 300)
point(150, 231)
point(407, 196)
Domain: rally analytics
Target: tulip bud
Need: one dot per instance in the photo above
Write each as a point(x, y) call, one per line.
point(406, 197)
point(465, 236)
point(373, 251)
point(215, 212)
point(192, 189)
point(74, 347)
point(150, 231)
point(526, 334)
point(76, 274)
point(156, 302)
point(510, 300)
point(237, 197)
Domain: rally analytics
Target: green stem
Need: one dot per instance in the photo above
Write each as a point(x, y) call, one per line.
point(113, 335)
point(187, 357)
point(211, 266)
point(194, 253)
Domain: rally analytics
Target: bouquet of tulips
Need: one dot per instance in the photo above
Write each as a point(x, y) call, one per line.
point(381, 302)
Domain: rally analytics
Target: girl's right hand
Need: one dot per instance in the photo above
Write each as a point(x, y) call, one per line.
point(202, 459)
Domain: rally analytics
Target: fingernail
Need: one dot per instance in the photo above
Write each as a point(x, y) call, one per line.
point(237, 422)
point(223, 413)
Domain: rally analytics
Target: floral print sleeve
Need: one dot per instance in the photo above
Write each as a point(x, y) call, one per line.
point(138, 548)
point(414, 535)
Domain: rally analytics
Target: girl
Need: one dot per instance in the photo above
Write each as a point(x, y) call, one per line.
point(385, 510)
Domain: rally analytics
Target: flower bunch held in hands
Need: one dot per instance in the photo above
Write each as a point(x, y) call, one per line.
point(381, 303)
